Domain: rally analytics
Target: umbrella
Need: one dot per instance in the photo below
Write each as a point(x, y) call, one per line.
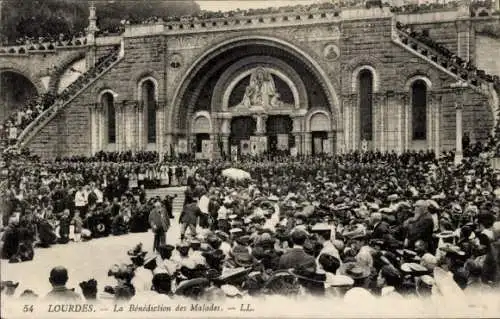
point(236, 173)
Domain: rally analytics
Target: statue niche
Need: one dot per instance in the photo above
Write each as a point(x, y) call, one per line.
point(261, 92)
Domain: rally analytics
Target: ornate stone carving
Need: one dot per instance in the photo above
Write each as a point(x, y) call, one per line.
point(188, 42)
point(331, 52)
point(261, 93)
point(175, 61)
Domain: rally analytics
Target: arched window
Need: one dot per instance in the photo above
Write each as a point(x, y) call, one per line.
point(108, 105)
point(419, 110)
point(149, 102)
point(365, 104)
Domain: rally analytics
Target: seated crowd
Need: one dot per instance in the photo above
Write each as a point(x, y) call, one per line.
point(351, 225)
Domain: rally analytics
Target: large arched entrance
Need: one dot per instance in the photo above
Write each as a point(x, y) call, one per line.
point(16, 91)
point(220, 81)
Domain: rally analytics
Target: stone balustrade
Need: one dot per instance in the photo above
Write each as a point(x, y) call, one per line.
point(32, 48)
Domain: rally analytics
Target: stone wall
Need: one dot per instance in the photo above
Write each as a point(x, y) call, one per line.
point(361, 43)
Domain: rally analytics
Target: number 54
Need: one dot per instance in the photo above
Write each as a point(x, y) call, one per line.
point(28, 308)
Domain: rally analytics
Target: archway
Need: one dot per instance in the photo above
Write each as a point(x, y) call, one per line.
point(195, 89)
point(16, 90)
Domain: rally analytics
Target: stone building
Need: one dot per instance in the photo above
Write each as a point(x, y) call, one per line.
point(324, 82)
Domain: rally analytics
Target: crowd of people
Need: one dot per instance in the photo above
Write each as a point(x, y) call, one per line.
point(49, 39)
point(358, 224)
point(466, 69)
point(36, 105)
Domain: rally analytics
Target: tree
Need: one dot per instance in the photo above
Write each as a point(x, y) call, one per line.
point(35, 18)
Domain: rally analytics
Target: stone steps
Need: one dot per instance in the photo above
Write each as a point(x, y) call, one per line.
point(162, 192)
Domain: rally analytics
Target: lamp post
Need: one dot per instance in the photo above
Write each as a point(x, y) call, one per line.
point(460, 87)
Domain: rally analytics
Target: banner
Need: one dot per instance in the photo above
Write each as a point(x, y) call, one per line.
point(245, 147)
point(318, 145)
point(326, 146)
point(206, 149)
point(254, 145)
point(182, 146)
point(263, 144)
point(282, 142)
point(234, 152)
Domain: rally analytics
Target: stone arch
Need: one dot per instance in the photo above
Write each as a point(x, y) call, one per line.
point(315, 112)
point(317, 70)
point(8, 66)
point(199, 116)
point(104, 91)
point(55, 77)
point(415, 78)
point(141, 82)
point(299, 98)
point(139, 78)
point(355, 77)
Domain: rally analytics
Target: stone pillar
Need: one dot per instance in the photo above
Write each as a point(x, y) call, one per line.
point(407, 123)
point(458, 133)
point(401, 121)
point(225, 145)
point(297, 132)
point(331, 142)
point(160, 119)
point(298, 142)
point(463, 39)
point(437, 133)
point(140, 126)
point(169, 143)
point(91, 31)
point(307, 143)
point(93, 128)
point(496, 5)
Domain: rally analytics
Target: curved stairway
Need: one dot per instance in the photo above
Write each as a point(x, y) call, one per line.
point(68, 95)
point(476, 79)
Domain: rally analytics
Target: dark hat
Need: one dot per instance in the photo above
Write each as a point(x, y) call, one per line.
point(28, 294)
point(192, 287)
point(233, 273)
point(329, 263)
point(243, 240)
point(354, 270)
point(242, 257)
point(88, 285)
point(414, 269)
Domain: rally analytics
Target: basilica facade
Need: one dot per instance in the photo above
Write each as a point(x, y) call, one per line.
point(302, 83)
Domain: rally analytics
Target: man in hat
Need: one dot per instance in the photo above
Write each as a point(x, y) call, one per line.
point(189, 217)
point(160, 223)
point(296, 256)
point(421, 226)
point(58, 279)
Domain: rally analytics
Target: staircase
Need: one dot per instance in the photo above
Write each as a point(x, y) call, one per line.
point(162, 192)
point(68, 95)
point(476, 79)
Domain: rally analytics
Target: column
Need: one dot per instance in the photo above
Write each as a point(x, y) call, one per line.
point(160, 118)
point(463, 39)
point(169, 143)
point(382, 102)
point(331, 142)
point(140, 125)
point(347, 124)
point(297, 131)
point(93, 129)
point(127, 125)
point(458, 133)
point(407, 124)
point(225, 130)
point(355, 143)
point(308, 143)
point(437, 133)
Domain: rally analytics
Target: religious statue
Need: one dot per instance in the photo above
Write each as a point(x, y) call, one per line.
point(261, 91)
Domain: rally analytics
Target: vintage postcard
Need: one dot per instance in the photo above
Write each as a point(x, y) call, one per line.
point(249, 159)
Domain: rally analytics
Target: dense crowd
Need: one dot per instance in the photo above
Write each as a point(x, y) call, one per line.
point(471, 71)
point(36, 105)
point(49, 40)
point(363, 224)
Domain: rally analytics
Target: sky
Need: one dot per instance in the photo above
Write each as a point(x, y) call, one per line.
point(227, 5)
